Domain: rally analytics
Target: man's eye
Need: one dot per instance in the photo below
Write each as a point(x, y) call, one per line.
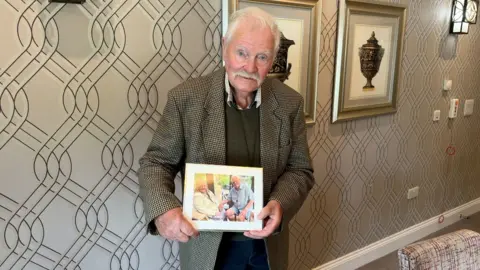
point(262, 57)
point(241, 53)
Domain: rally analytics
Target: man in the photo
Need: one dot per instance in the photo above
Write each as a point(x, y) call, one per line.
point(242, 199)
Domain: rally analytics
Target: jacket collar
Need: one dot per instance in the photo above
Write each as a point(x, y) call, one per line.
point(257, 100)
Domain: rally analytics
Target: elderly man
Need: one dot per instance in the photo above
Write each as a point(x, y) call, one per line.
point(241, 196)
point(234, 116)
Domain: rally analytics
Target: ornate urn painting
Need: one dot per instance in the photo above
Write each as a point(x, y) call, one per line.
point(371, 55)
point(368, 60)
point(281, 67)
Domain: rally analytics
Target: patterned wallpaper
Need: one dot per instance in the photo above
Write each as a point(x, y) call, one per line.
point(81, 91)
point(82, 88)
point(364, 168)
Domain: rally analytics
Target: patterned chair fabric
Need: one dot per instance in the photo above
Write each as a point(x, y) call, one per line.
point(459, 250)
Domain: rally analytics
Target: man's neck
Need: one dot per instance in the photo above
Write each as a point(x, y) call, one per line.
point(243, 99)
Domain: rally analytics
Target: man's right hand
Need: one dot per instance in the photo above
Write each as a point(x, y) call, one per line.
point(174, 226)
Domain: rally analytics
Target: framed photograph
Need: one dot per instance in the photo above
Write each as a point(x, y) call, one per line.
point(296, 63)
point(368, 61)
point(223, 198)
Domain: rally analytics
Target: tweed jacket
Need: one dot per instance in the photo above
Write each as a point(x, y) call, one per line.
point(192, 130)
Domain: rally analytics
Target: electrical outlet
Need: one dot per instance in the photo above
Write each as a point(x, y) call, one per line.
point(436, 115)
point(447, 85)
point(412, 193)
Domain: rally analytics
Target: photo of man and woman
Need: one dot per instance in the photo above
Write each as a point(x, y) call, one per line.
point(221, 197)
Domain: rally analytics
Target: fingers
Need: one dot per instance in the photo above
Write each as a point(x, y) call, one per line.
point(267, 231)
point(270, 226)
point(174, 226)
point(182, 233)
point(265, 212)
point(188, 229)
point(272, 216)
point(181, 237)
point(259, 234)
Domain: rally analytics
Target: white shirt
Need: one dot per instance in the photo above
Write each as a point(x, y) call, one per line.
point(257, 101)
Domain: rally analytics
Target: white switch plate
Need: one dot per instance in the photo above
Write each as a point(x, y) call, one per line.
point(452, 113)
point(447, 85)
point(468, 107)
point(436, 115)
point(412, 193)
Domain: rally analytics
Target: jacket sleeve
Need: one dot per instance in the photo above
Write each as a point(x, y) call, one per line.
point(293, 186)
point(161, 163)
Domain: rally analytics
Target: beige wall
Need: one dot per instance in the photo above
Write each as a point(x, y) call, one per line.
point(69, 194)
point(364, 168)
point(82, 89)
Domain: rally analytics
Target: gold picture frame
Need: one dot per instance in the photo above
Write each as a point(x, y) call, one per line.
point(299, 21)
point(369, 58)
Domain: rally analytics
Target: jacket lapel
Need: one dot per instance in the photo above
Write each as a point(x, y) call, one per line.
point(270, 125)
point(213, 124)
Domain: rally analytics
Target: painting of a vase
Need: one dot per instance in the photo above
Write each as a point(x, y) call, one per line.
point(281, 68)
point(371, 54)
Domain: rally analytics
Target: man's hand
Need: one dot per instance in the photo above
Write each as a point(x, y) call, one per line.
point(174, 226)
point(272, 215)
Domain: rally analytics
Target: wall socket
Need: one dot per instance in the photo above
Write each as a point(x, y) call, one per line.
point(412, 193)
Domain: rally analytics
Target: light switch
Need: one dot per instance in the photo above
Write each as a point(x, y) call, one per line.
point(468, 107)
point(413, 193)
point(436, 115)
point(452, 113)
point(447, 85)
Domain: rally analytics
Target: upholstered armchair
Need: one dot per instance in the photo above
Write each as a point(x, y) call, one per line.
point(458, 250)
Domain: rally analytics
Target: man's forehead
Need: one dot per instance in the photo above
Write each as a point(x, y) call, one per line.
point(253, 37)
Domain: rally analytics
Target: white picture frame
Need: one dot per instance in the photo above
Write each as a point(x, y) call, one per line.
point(218, 181)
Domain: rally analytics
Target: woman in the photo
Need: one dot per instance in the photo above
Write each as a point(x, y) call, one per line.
point(206, 204)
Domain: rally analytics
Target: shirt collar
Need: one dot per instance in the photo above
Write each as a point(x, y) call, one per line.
point(231, 101)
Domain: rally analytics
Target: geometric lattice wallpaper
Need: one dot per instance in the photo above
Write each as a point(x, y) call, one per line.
point(364, 168)
point(82, 88)
point(81, 91)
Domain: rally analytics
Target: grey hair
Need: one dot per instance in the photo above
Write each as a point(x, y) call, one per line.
point(257, 15)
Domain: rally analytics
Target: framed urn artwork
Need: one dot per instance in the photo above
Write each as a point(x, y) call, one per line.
point(368, 61)
point(296, 63)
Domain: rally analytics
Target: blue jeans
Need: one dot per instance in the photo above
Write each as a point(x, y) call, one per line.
point(242, 255)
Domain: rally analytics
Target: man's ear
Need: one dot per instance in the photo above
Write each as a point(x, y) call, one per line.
point(224, 48)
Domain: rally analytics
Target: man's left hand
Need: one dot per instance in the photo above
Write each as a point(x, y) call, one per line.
point(272, 216)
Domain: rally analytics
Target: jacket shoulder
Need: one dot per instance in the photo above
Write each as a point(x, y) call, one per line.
point(286, 96)
point(194, 88)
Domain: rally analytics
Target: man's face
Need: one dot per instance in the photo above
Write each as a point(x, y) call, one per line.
point(248, 56)
point(236, 183)
point(202, 187)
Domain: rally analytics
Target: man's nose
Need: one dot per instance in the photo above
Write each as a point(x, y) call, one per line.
point(251, 65)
